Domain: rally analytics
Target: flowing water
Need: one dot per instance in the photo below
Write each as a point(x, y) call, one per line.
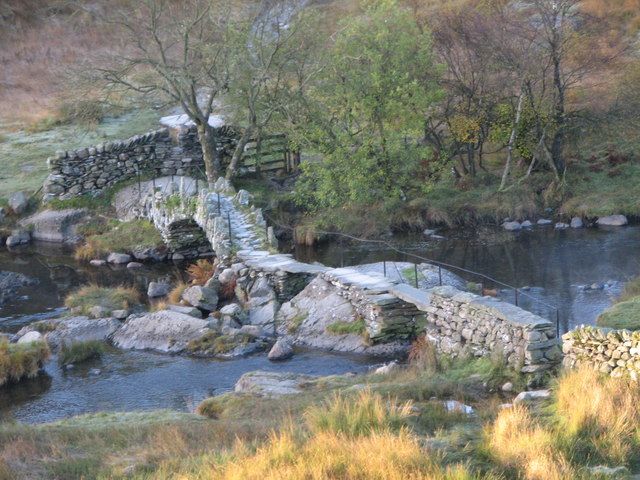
point(553, 266)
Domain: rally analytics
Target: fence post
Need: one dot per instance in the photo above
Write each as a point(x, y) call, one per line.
point(516, 292)
point(139, 185)
point(384, 268)
point(219, 211)
point(440, 275)
point(557, 323)
point(229, 224)
point(415, 271)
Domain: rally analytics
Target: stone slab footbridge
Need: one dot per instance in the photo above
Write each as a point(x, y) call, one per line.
point(455, 321)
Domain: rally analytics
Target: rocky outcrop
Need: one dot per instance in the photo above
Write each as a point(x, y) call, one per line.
point(273, 384)
point(81, 329)
point(59, 226)
point(164, 331)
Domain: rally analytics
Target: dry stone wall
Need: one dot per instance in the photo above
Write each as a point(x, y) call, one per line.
point(463, 322)
point(615, 352)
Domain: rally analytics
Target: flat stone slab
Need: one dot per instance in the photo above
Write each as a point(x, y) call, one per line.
point(420, 298)
point(272, 384)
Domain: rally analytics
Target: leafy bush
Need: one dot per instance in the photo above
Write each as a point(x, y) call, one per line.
point(363, 415)
point(18, 361)
point(118, 298)
point(80, 351)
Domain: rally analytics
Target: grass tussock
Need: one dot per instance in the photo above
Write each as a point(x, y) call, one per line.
point(201, 271)
point(623, 315)
point(365, 414)
point(212, 343)
point(340, 327)
point(18, 361)
point(118, 298)
point(121, 238)
point(210, 408)
point(630, 291)
point(78, 352)
point(175, 295)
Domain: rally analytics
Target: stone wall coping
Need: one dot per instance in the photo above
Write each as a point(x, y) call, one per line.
point(420, 298)
point(353, 278)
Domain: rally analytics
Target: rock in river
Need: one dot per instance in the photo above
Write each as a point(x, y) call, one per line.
point(272, 384)
point(58, 226)
point(165, 331)
point(81, 329)
point(612, 221)
point(282, 350)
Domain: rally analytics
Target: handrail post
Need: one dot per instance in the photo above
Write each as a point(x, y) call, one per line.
point(384, 268)
point(440, 275)
point(415, 271)
point(516, 292)
point(557, 323)
point(229, 224)
point(219, 211)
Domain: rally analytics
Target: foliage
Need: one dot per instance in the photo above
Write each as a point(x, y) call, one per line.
point(18, 361)
point(368, 111)
point(423, 355)
point(121, 237)
point(210, 408)
point(78, 352)
point(341, 327)
point(213, 343)
point(118, 298)
point(622, 315)
point(175, 295)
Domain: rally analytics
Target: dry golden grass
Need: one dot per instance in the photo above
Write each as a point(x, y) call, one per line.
point(117, 298)
point(18, 361)
point(201, 271)
point(175, 295)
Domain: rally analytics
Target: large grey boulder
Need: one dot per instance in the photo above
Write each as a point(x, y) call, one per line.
point(18, 237)
point(512, 226)
point(158, 289)
point(531, 396)
point(119, 258)
point(193, 311)
point(273, 384)
point(263, 305)
point(612, 221)
point(576, 222)
point(281, 350)
point(81, 329)
point(18, 201)
point(201, 297)
point(29, 337)
point(165, 331)
point(58, 226)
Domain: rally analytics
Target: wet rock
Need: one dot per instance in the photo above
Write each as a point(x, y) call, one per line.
point(201, 297)
point(511, 226)
point(428, 232)
point(158, 289)
point(612, 221)
point(18, 237)
point(194, 312)
point(387, 368)
point(57, 226)
point(18, 201)
point(98, 263)
point(281, 350)
point(119, 258)
point(95, 372)
point(576, 222)
point(144, 254)
point(81, 329)
point(273, 384)
point(12, 282)
point(527, 224)
point(561, 226)
point(134, 265)
point(29, 337)
point(165, 331)
point(544, 221)
point(531, 396)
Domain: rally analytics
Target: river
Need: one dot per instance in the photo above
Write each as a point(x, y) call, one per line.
point(550, 265)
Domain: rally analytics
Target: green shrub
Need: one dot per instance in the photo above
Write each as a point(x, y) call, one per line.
point(341, 327)
point(118, 298)
point(80, 351)
point(18, 361)
point(210, 408)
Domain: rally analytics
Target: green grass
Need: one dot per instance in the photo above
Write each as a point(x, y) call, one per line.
point(120, 237)
point(18, 361)
point(345, 328)
point(623, 315)
point(78, 352)
point(296, 321)
point(24, 155)
point(118, 298)
point(212, 343)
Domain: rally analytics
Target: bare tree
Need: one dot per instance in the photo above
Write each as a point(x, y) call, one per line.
point(182, 50)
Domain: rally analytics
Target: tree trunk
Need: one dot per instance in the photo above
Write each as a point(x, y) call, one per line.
point(232, 169)
point(512, 142)
point(209, 143)
point(559, 110)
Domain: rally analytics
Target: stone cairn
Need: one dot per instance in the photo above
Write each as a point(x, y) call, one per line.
point(614, 352)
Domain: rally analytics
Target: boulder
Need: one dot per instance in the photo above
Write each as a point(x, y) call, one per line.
point(165, 331)
point(18, 201)
point(29, 337)
point(561, 226)
point(531, 396)
point(507, 387)
point(281, 350)
point(119, 258)
point(612, 221)
point(81, 329)
point(18, 237)
point(273, 384)
point(232, 310)
point(96, 262)
point(511, 226)
point(576, 222)
point(387, 368)
point(263, 305)
point(193, 311)
point(134, 265)
point(99, 312)
point(58, 226)
point(147, 253)
point(544, 221)
point(201, 297)
point(458, 407)
point(228, 275)
point(120, 314)
point(526, 224)
point(158, 289)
